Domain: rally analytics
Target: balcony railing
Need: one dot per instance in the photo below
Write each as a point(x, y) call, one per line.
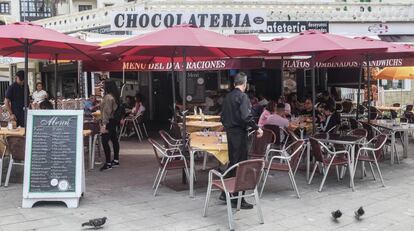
point(277, 11)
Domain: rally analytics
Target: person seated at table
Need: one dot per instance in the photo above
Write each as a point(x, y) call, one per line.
point(329, 118)
point(294, 103)
point(269, 110)
point(139, 108)
point(307, 108)
point(39, 95)
point(209, 105)
point(46, 105)
point(279, 118)
point(262, 100)
point(288, 108)
point(327, 99)
point(129, 102)
point(256, 108)
point(90, 105)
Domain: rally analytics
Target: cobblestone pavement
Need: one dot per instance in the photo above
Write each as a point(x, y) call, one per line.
point(124, 195)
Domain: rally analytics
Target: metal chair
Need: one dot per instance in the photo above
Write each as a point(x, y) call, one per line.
point(248, 174)
point(347, 106)
point(140, 122)
point(130, 121)
point(327, 158)
point(258, 146)
point(94, 127)
point(290, 158)
point(372, 151)
point(16, 147)
point(167, 162)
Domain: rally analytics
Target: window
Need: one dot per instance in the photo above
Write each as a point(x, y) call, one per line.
point(396, 84)
point(4, 8)
point(31, 10)
point(85, 7)
point(108, 4)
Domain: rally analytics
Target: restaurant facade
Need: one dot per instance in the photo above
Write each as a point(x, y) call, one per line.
point(266, 19)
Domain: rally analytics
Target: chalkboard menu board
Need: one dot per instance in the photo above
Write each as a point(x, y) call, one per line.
point(54, 157)
point(53, 154)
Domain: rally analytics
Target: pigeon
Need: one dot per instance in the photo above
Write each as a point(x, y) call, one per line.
point(359, 213)
point(336, 214)
point(96, 223)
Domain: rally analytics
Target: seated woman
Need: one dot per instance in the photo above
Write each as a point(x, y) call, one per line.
point(269, 109)
point(329, 118)
point(139, 108)
point(39, 95)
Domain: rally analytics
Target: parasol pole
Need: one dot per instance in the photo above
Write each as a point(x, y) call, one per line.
point(173, 84)
point(313, 95)
point(282, 87)
point(184, 96)
point(361, 69)
point(26, 79)
point(56, 65)
point(369, 90)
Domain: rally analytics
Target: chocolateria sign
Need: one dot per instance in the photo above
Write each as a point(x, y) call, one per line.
point(139, 20)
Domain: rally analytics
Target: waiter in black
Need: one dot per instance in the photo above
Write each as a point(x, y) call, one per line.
point(14, 99)
point(237, 119)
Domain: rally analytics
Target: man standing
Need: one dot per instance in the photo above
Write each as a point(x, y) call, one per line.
point(237, 118)
point(14, 100)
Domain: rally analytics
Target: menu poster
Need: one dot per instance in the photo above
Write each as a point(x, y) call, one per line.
point(53, 161)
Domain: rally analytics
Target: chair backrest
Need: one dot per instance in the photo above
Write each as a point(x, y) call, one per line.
point(176, 131)
point(373, 113)
point(333, 130)
point(276, 130)
point(354, 123)
point(259, 145)
point(379, 144)
point(294, 150)
point(91, 125)
point(159, 151)
point(347, 106)
point(394, 114)
point(16, 146)
point(316, 149)
point(248, 174)
point(361, 109)
point(369, 129)
point(359, 132)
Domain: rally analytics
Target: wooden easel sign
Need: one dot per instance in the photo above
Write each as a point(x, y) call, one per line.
point(53, 168)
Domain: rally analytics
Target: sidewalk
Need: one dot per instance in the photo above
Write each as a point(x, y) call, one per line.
point(124, 196)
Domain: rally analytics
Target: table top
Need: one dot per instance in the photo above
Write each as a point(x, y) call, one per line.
point(204, 124)
point(389, 124)
point(21, 132)
point(210, 142)
point(206, 117)
point(12, 132)
point(337, 138)
point(388, 108)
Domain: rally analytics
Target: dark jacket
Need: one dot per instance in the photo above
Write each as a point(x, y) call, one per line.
point(237, 111)
point(330, 122)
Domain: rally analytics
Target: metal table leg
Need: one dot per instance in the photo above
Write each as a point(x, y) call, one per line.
point(405, 155)
point(191, 180)
point(392, 147)
point(307, 160)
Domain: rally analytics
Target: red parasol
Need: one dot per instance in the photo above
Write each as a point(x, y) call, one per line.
point(26, 40)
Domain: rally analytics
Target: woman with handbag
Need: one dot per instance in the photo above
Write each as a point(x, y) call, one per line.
point(109, 105)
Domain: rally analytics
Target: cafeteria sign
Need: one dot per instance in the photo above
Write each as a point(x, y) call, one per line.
point(139, 20)
point(53, 165)
point(277, 27)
